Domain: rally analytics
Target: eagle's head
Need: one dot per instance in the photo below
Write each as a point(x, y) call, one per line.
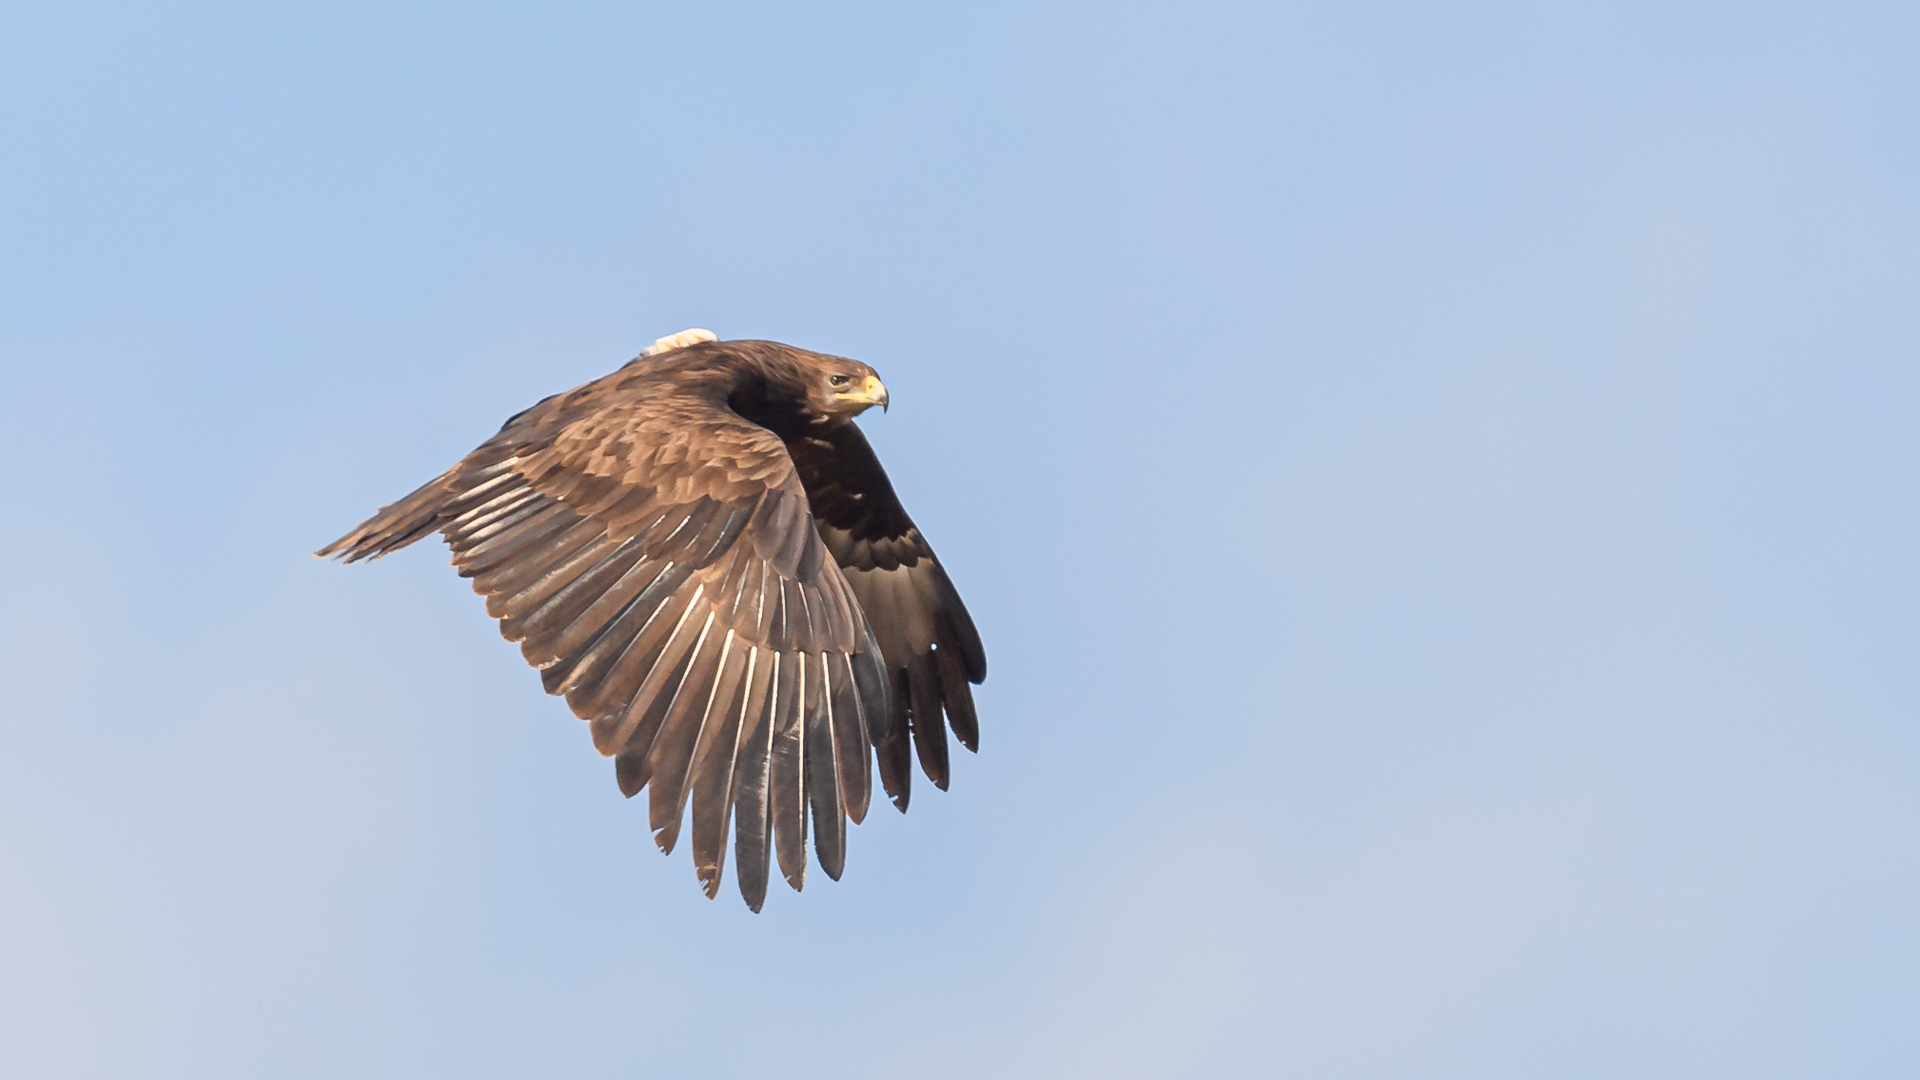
point(843, 389)
point(780, 385)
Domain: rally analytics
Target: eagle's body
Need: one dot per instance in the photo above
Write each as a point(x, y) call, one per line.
point(701, 552)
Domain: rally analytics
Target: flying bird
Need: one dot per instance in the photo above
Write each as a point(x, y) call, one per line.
point(702, 554)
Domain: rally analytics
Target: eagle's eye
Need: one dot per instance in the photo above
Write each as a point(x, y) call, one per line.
point(839, 380)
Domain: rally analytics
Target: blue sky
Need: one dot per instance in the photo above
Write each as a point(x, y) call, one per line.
point(1437, 487)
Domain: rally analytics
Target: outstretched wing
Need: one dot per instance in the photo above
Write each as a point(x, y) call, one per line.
point(654, 556)
point(932, 650)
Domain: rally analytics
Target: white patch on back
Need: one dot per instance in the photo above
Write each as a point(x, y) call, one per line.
point(680, 340)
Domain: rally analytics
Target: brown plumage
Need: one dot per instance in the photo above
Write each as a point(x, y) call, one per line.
point(702, 554)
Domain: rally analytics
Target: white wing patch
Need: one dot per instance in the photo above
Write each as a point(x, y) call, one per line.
point(681, 340)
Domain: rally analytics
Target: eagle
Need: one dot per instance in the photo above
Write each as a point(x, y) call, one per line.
point(702, 554)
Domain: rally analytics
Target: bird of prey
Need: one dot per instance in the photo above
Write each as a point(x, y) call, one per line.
point(702, 554)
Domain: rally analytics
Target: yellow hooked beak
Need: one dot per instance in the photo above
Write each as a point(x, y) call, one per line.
point(871, 392)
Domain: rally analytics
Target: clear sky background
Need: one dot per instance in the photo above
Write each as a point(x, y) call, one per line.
point(1437, 484)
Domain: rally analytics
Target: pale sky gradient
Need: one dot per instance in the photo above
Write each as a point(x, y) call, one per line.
point(1437, 484)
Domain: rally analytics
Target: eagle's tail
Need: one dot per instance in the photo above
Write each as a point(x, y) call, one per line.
point(467, 489)
point(401, 523)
